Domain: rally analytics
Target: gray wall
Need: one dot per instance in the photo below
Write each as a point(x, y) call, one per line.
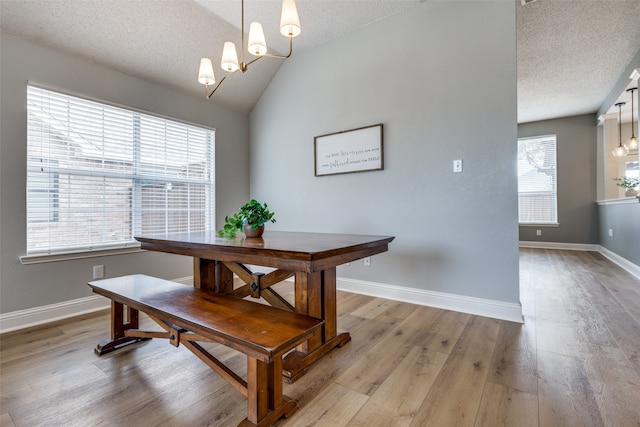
point(442, 80)
point(624, 220)
point(576, 161)
point(26, 286)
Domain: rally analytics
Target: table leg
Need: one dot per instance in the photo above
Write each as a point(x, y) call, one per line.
point(315, 295)
point(330, 309)
point(308, 300)
point(212, 275)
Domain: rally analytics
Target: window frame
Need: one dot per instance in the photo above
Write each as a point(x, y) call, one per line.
point(554, 222)
point(82, 250)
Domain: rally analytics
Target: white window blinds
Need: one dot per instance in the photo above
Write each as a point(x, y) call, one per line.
point(97, 175)
point(537, 184)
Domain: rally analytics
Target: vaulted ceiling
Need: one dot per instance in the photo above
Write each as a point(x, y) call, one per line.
point(570, 53)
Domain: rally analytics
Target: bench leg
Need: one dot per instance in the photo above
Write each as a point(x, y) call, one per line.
point(265, 402)
point(119, 324)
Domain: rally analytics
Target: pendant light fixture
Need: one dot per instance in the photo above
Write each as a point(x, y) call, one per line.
point(632, 143)
point(620, 150)
point(256, 45)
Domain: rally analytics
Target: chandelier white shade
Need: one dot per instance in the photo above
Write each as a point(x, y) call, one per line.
point(256, 46)
point(229, 60)
point(205, 76)
point(289, 20)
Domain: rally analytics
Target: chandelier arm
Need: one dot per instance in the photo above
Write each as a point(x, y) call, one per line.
point(619, 151)
point(242, 44)
point(217, 86)
point(620, 104)
point(273, 55)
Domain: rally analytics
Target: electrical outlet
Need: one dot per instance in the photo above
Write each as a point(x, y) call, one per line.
point(611, 232)
point(367, 261)
point(538, 232)
point(98, 271)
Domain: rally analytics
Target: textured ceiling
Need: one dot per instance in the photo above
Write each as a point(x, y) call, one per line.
point(570, 53)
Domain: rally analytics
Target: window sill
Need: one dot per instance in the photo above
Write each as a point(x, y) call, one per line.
point(621, 201)
point(67, 256)
point(539, 224)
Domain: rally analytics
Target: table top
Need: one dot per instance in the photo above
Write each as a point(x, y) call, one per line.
point(295, 246)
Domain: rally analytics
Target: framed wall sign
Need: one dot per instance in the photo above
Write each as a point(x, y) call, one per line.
point(355, 150)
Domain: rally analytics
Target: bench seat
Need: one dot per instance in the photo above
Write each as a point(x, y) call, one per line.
point(188, 315)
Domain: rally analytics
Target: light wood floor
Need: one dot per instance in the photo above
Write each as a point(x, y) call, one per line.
point(574, 362)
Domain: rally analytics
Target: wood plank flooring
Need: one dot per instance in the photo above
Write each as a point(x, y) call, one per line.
point(574, 362)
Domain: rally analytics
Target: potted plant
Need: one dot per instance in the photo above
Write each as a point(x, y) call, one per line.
point(250, 219)
point(629, 183)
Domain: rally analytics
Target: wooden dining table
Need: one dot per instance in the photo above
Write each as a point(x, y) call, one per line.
point(310, 258)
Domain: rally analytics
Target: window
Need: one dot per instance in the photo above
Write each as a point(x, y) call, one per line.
point(537, 183)
point(97, 175)
point(632, 169)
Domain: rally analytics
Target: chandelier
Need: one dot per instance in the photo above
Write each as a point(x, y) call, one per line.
point(620, 150)
point(256, 45)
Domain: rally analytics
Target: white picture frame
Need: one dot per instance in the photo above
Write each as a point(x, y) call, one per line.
point(349, 151)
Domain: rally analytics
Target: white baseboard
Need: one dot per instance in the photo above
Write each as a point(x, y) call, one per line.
point(563, 246)
point(624, 263)
point(49, 313)
point(461, 303)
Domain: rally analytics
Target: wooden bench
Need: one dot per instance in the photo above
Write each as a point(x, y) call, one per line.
point(188, 315)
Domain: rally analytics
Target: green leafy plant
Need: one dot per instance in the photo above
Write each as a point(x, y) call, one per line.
point(626, 182)
point(252, 213)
